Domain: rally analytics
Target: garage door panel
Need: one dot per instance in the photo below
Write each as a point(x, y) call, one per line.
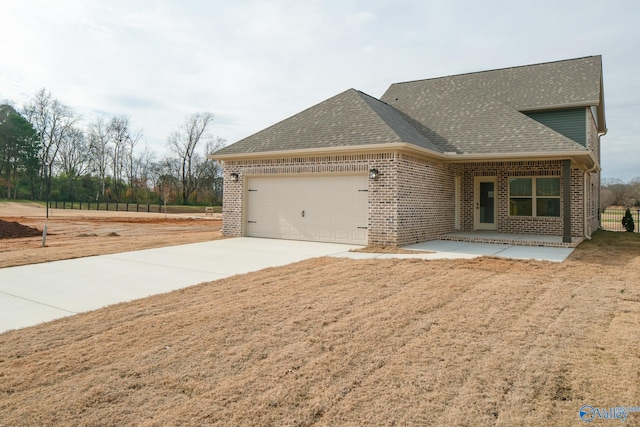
point(334, 208)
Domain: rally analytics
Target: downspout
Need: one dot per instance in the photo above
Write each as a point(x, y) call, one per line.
point(585, 205)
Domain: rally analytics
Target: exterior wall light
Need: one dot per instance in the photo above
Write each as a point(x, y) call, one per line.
point(234, 177)
point(374, 174)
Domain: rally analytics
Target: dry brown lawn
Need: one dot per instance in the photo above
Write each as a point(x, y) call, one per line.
point(339, 342)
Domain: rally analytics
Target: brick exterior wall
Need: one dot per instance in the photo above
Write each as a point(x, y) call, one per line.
point(521, 225)
point(426, 206)
point(232, 197)
point(382, 227)
point(410, 202)
point(593, 202)
point(577, 203)
point(413, 199)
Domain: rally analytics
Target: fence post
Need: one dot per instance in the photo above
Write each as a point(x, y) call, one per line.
point(148, 207)
point(638, 221)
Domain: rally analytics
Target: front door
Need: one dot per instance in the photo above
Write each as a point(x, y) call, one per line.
point(485, 203)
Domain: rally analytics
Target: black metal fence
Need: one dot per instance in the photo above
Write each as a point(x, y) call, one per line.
point(105, 206)
point(611, 219)
point(133, 207)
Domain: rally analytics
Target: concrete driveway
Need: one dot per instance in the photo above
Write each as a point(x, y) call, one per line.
point(33, 294)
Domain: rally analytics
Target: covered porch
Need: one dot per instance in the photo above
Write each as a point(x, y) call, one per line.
point(523, 203)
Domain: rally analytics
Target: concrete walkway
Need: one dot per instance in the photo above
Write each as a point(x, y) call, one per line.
point(448, 249)
point(37, 293)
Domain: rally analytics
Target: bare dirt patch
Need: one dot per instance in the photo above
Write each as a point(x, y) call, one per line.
point(13, 230)
point(74, 234)
point(347, 342)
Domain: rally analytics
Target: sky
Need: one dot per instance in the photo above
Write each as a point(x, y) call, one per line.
point(255, 63)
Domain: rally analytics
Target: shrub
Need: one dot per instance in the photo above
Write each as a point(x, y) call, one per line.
point(627, 221)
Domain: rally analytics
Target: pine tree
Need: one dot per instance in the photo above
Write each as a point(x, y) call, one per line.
point(627, 221)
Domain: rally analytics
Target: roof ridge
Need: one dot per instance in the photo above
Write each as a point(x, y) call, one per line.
point(398, 123)
point(498, 69)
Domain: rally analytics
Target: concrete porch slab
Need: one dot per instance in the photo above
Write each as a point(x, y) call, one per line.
point(539, 253)
point(511, 239)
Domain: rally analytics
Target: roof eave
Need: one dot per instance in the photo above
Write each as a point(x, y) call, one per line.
point(353, 149)
point(582, 104)
point(579, 157)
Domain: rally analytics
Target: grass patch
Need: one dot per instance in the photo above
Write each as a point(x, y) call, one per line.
point(331, 341)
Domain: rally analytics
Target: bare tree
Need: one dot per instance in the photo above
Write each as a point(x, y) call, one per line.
point(119, 137)
point(142, 169)
point(209, 172)
point(184, 143)
point(73, 157)
point(615, 192)
point(99, 149)
point(166, 181)
point(53, 120)
point(129, 159)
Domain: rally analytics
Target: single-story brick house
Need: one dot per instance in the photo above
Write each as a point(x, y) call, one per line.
point(514, 150)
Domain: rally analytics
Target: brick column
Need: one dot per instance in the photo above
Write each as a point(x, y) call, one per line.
point(566, 191)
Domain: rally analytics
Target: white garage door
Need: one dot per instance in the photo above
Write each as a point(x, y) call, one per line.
point(325, 208)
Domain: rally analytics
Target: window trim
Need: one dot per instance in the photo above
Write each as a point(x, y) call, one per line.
point(534, 196)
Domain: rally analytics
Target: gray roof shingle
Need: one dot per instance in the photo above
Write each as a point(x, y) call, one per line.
point(457, 119)
point(476, 113)
point(529, 87)
point(351, 118)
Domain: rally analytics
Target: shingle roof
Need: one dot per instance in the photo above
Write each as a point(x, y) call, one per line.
point(476, 113)
point(351, 118)
point(529, 87)
point(458, 119)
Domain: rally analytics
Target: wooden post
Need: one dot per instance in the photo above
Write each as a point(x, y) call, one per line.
point(44, 235)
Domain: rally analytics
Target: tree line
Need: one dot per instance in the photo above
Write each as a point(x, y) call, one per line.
point(47, 154)
point(615, 192)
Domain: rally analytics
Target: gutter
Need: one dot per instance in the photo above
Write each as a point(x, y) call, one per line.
point(447, 157)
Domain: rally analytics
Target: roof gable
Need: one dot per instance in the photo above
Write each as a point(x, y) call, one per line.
point(351, 118)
